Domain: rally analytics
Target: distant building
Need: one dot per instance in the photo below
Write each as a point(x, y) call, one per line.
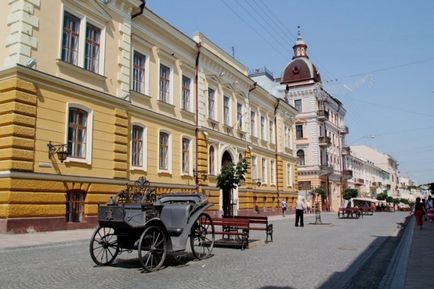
point(381, 160)
point(320, 127)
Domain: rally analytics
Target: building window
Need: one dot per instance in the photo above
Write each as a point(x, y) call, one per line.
point(299, 131)
point(91, 56)
point(272, 170)
point(262, 127)
point(71, 28)
point(226, 110)
point(139, 72)
point(271, 124)
point(254, 169)
point(185, 155)
point(297, 104)
point(240, 115)
point(300, 158)
point(164, 83)
point(211, 161)
point(252, 123)
point(289, 175)
point(137, 150)
point(286, 137)
point(77, 133)
point(164, 151)
point(185, 93)
point(75, 207)
point(211, 102)
point(264, 171)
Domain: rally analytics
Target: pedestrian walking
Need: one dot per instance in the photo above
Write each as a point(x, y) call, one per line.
point(418, 212)
point(299, 210)
point(429, 209)
point(283, 205)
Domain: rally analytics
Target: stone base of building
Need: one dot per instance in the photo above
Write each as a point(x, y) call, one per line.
point(28, 225)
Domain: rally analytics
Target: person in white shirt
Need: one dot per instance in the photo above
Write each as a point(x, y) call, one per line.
point(283, 205)
point(299, 210)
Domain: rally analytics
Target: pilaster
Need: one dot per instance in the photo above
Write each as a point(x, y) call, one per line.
point(202, 159)
point(124, 58)
point(120, 147)
point(21, 23)
point(17, 125)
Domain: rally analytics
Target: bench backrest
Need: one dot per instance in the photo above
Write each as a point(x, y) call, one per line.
point(240, 223)
point(252, 219)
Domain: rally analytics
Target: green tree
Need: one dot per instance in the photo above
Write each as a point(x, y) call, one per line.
point(350, 193)
point(389, 199)
point(382, 196)
point(320, 191)
point(231, 175)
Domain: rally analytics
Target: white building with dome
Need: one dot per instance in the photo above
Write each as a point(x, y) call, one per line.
point(320, 127)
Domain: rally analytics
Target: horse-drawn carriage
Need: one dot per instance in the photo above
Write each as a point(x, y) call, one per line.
point(137, 220)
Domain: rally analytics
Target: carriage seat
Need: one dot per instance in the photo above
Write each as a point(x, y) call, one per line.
point(175, 217)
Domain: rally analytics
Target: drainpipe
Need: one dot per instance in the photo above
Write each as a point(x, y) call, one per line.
point(198, 45)
point(275, 141)
point(142, 7)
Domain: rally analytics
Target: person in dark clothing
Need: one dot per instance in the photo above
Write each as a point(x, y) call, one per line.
point(299, 210)
point(418, 212)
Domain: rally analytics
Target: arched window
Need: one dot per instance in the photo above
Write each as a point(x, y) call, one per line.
point(211, 161)
point(300, 158)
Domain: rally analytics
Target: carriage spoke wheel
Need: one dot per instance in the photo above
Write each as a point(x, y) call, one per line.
point(202, 237)
point(152, 248)
point(104, 246)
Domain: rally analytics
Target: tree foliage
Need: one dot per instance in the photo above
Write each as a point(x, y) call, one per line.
point(382, 196)
point(320, 191)
point(350, 193)
point(231, 176)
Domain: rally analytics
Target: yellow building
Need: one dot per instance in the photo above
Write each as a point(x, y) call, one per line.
point(125, 94)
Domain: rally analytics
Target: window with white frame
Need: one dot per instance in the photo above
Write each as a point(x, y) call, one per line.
point(186, 155)
point(138, 147)
point(272, 172)
point(79, 133)
point(262, 127)
point(289, 175)
point(226, 110)
point(264, 171)
point(271, 129)
point(164, 83)
point(164, 151)
point(211, 103)
point(211, 161)
point(70, 38)
point(138, 83)
point(185, 101)
point(240, 115)
point(252, 123)
point(254, 169)
point(298, 105)
point(82, 42)
point(92, 48)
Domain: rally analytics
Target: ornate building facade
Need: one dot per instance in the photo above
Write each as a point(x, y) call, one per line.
point(94, 94)
point(320, 127)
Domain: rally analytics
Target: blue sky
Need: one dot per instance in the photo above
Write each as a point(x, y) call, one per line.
point(376, 56)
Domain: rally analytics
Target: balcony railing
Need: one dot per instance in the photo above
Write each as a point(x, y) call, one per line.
point(344, 130)
point(348, 174)
point(325, 170)
point(346, 151)
point(359, 181)
point(325, 141)
point(322, 115)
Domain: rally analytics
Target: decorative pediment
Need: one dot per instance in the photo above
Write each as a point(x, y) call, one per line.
point(96, 8)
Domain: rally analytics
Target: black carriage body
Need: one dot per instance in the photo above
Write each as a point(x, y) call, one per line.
point(174, 213)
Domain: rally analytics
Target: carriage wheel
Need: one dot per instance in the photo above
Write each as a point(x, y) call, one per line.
point(202, 237)
point(152, 248)
point(104, 246)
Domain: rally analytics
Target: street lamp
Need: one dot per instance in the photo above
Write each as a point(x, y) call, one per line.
point(60, 150)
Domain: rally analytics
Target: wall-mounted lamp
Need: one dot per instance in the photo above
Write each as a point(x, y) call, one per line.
point(258, 182)
point(62, 154)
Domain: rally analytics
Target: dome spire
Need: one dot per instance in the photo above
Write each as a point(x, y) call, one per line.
point(300, 47)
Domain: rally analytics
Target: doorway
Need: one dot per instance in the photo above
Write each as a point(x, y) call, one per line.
point(227, 194)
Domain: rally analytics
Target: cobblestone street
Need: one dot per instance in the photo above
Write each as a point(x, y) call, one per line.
point(306, 257)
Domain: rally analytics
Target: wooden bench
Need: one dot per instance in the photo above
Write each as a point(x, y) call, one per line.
point(349, 212)
point(233, 227)
point(258, 223)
